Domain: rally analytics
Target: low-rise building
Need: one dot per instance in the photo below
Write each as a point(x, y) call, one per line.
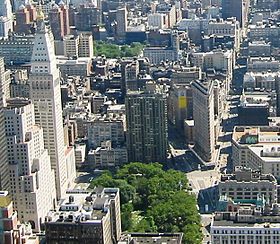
point(156, 238)
point(246, 184)
point(106, 156)
point(86, 217)
point(258, 148)
point(74, 67)
point(156, 55)
point(247, 222)
point(11, 230)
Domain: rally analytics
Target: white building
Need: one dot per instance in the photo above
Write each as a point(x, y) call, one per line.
point(6, 18)
point(156, 55)
point(204, 121)
point(246, 223)
point(85, 45)
point(229, 233)
point(5, 26)
point(229, 27)
point(104, 128)
point(106, 156)
point(46, 96)
point(157, 20)
point(80, 154)
point(78, 46)
point(74, 67)
point(246, 184)
point(218, 60)
point(31, 178)
point(257, 148)
point(262, 64)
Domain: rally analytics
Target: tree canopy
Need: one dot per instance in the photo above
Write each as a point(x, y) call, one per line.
point(115, 51)
point(154, 200)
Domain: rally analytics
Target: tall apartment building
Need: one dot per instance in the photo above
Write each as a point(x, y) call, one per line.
point(203, 115)
point(87, 16)
point(25, 18)
point(46, 95)
point(157, 20)
point(59, 21)
point(180, 104)
point(71, 46)
point(121, 18)
point(131, 72)
point(85, 45)
point(78, 46)
point(22, 20)
point(86, 217)
point(65, 15)
point(246, 184)
point(257, 147)
point(30, 174)
point(4, 178)
point(236, 8)
point(146, 118)
point(104, 128)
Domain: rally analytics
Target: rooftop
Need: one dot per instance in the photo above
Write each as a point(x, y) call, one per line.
point(247, 175)
point(83, 206)
point(268, 135)
point(156, 238)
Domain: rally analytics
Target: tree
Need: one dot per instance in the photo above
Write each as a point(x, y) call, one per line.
point(159, 200)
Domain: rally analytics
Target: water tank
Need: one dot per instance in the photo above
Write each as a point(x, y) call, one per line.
point(71, 199)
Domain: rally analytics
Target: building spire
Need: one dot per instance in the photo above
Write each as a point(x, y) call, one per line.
point(40, 14)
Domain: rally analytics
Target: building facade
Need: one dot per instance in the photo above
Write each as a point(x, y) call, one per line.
point(104, 128)
point(86, 217)
point(203, 115)
point(257, 147)
point(245, 184)
point(30, 174)
point(4, 178)
point(46, 96)
point(146, 117)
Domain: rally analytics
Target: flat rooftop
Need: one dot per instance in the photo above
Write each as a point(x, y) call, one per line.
point(156, 238)
point(83, 206)
point(228, 223)
point(257, 135)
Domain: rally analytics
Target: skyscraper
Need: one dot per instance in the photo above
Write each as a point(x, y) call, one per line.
point(121, 18)
point(22, 20)
point(236, 8)
point(32, 179)
point(203, 115)
point(6, 9)
point(146, 115)
point(25, 18)
point(6, 18)
point(4, 177)
point(56, 22)
point(65, 13)
point(46, 96)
